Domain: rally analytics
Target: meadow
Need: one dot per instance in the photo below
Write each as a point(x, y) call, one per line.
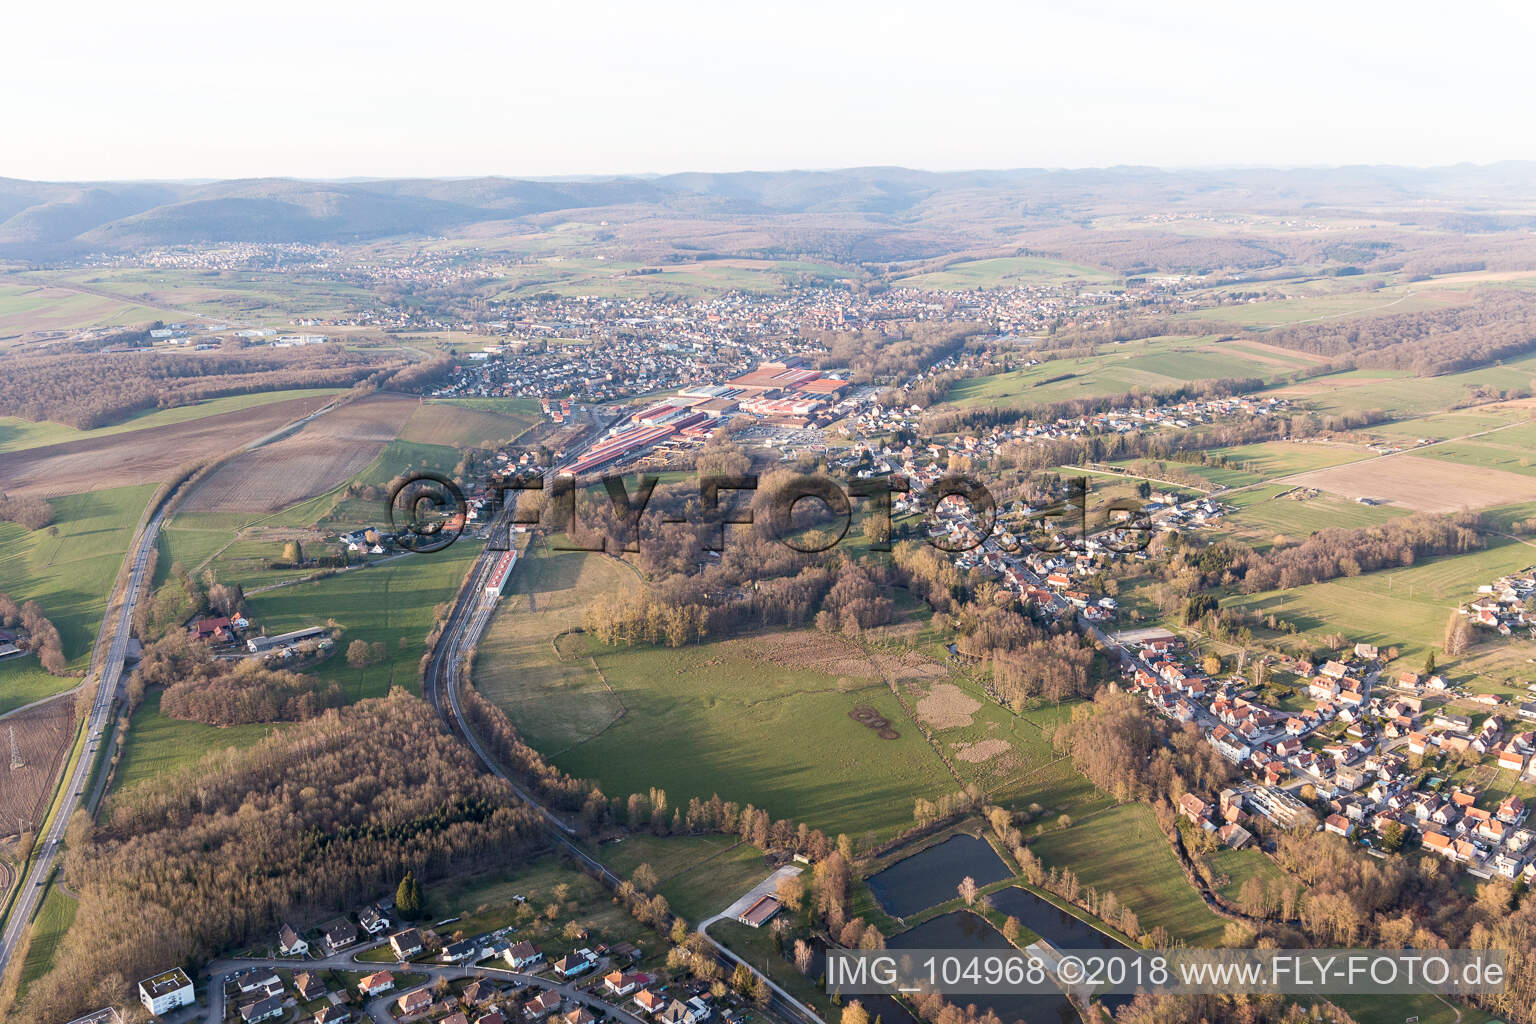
point(36, 307)
point(1406, 608)
point(1153, 363)
point(699, 875)
point(1404, 394)
point(485, 902)
point(469, 422)
point(390, 604)
point(1283, 511)
point(69, 568)
point(555, 694)
point(157, 744)
point(1008, 272)
point(1120, 849)
point(53, 919)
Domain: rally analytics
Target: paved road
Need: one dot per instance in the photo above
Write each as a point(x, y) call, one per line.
point(107, 675)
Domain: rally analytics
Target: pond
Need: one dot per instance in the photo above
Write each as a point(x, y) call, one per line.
point(1057, 927)
point(960, 929)
point(933, 875)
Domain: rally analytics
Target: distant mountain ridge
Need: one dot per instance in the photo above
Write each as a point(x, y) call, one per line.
point(42, 219)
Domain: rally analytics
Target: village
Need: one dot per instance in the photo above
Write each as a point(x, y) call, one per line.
point(365, 966)
point(1373, 758)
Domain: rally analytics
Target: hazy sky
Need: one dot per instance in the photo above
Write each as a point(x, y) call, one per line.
point(173, 90)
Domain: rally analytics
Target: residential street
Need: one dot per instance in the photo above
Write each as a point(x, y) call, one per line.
point(377, 1009)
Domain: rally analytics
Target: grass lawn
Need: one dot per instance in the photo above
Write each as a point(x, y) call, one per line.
point(556, 697)
point(758, 947)
point(1007, 272)
point(1237, 866)
point(714, 884)
point(1399, 392)
point(1279, 510)
point(1121, 850)
point(723, 717)
point(68, 568)
point(157, 744)
point(468, 422)
point(53, 919)
point(1397, 1009)
point(667, 855)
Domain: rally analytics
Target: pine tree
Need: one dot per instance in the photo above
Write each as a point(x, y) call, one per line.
point(408, 896)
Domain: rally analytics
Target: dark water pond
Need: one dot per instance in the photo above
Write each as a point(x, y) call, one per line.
point(1049, 921)
point(962, 930)
point(918, 882)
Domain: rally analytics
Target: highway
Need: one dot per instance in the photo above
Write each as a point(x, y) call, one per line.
point(107, 673)
point(107, 669)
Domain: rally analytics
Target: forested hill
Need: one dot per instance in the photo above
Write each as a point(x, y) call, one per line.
point(42, 219)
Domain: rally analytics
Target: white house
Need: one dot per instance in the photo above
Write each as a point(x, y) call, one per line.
point(165, 992)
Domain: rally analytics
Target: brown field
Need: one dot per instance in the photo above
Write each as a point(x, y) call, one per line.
point(1424, 485)
point(460, 427)
point(43, 735)
point(946, 706)
point(322, 456)
point(835, 656)
point(142, 456)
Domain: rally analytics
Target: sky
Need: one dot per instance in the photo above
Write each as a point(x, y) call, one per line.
point(323, 90)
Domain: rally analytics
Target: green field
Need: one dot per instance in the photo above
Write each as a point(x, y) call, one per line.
point(1121, 850)
point(470, 422)
point(714, 717)
point(248, 296)
point(584, 275)
point(1404, 394)
point(28, 307)
point(1509, 448)
point(699, 875)
point(1320, 306)
point(391, 604)
point(1154, 363)
point(17, 434)
point(157, 744)
point(555, 695)
point(1406, 608)
point(69, 569)
point(53, 919)
point(1280, 510)
point(1007, 272)
point(1237, 866)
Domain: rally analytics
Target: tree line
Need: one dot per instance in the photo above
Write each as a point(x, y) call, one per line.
point(88, 390)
